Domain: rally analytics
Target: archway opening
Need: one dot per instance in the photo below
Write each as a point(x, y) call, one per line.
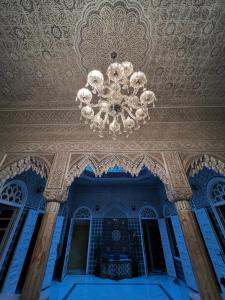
point(115, 200)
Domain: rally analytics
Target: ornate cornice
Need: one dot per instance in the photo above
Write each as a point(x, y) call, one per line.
point(114, 147)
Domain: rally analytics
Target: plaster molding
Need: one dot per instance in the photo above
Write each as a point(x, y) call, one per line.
point(133, 166)
point(178, 188)
point(206, 161)
point(24, 164)
point(100, 146)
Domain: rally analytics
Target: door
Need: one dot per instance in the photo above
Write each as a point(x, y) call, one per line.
point(153, 246)
point(79, 248)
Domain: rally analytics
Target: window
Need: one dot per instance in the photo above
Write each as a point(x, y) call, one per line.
point(218, 191)
point(7, 217)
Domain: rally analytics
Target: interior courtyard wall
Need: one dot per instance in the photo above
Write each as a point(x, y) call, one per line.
point(100, 199)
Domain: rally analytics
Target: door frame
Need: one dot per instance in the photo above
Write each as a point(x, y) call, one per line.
point(79, 220)
point(154, 216)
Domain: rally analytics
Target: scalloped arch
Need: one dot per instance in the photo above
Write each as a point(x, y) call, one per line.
point(133, 166)
point(198, 162)
point(38, 164)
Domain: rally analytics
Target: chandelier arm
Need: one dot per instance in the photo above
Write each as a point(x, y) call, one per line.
point(130, 113)
point(121, 100)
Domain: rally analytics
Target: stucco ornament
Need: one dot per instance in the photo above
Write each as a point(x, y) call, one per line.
point(56, 195)
point(24, 164)
point(100, 166)
point(112, 29)
point(207, 161)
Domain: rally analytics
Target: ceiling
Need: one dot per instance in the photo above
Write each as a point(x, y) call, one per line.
point(47, 47)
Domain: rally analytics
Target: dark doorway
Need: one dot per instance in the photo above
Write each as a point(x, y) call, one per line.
point(153, 246)
point(79, 248)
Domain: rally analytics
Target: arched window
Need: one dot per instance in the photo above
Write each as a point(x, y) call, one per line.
point(82, 213)
point(14, 193)
point(218, 191)
point(148, 213)
point(216, 213)
point(13, 197)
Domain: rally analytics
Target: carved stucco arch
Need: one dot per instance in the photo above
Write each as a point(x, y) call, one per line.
point(211, 161)
point(100, 166)
point(38, 164)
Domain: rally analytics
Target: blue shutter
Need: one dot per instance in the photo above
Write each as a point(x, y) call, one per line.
point(67, 252)
point(185, 260)
point(212, 244)
point(53, 253)
point(20, 253)
point(166, 248)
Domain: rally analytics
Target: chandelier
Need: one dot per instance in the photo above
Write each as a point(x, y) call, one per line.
point(118, 104)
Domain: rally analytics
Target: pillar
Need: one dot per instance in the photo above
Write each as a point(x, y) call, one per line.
point(201, 265)
point(36, 272)
point(55, 193)
point(179, 191)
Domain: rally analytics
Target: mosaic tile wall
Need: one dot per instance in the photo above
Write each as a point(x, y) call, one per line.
point(96, 232)
point(135, 239)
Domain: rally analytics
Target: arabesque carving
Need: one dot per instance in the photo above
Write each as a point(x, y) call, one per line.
point(207, 161)
point(56, 195)
point(101, 166)
point(24, 164)
point(178, 188)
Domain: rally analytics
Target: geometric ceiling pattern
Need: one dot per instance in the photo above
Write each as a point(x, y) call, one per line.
point(47, 47)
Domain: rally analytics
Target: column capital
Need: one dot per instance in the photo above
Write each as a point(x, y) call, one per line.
point(179, 194)
point(56, 195)
point(183, 205)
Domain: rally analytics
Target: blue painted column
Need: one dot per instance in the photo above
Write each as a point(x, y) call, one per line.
point(212, 244)
point(16, 265)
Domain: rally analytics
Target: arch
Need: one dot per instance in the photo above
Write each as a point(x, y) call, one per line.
point(14, 192)
point(198, 162)
point(38, 164)
point(147, 212)
point(216, 190)
point(133, 166)
point(82, 212)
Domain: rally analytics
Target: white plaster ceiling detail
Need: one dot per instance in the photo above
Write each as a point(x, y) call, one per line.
point(184, 43)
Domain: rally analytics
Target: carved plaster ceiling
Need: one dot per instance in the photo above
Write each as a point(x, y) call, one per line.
point(47, 48)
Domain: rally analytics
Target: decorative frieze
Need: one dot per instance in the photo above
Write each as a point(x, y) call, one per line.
point(99, 146)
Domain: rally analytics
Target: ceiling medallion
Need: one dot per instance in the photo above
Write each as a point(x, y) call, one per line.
point(118, 104)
